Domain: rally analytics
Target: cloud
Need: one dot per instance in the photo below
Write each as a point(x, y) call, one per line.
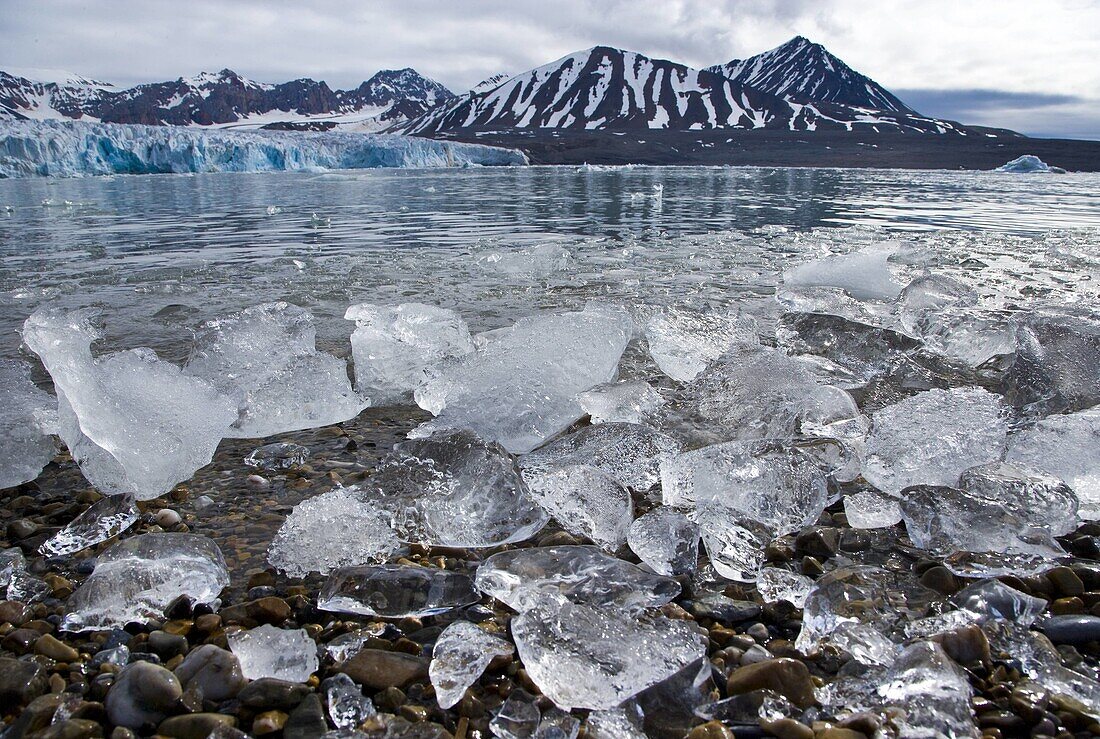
point(1032, 113)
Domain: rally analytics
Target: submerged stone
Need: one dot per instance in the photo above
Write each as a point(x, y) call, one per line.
point(283, 654)
point(279, 456)
point(105, 518)
point(460, 656)
point(992, 599)
point(518, 717)
point(683, 341)
point(136, 579)
point(28, 416)
point(586, 501)
point(666, 540)
point(395, 591)
point(525, 578)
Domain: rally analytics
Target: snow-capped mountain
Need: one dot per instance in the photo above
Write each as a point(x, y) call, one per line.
point(803, 71)
point(608, 88)
point(226, 99)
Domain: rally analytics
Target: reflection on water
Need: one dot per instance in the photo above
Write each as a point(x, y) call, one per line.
point(162, 253)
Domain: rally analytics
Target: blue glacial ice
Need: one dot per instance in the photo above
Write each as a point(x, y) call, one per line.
point(72, 149)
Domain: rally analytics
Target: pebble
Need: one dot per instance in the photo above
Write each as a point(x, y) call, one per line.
point(1071, 629)
point(142, 695)
point(270, 692)
point(166, 518)
point(166, 645)
point(13, 612)
point(788, 677)
point(73, 728)
point(49, 646)
point(710, 730)
point(269, 722)
point(195, 725)
point(307, 721)
point(213, 671)
point(788, 728)
point(20, 682)
point(379, 669)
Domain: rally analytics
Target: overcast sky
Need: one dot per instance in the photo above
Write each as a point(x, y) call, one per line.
point(1031, 65)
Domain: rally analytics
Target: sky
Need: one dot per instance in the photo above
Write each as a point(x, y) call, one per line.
point(1029, 65)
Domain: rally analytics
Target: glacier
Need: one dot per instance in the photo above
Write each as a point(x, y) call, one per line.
point(50, 148)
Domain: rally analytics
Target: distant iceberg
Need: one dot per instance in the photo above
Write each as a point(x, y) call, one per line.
point(1029, 163)
point(51, 148)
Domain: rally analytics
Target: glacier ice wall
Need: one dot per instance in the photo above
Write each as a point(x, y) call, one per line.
point(72, 149)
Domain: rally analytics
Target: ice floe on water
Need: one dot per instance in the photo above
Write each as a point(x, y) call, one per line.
point(1027, 164)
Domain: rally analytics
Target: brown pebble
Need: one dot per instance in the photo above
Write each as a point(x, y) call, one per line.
point(787, 728)
point(269, 610)
point(789, 677)
point(1067, 606)
point(710, 730)
point(377, 669)
point(56, 650)
point(57, 683)
point(836, 732)
point(1065, 581)
point(208, 623)
point(268, 722)
point(940, 579)
point(965, 645)
point(414, 713)
point(14, 612)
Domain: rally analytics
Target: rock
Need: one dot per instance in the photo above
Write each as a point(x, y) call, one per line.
point(788, 677)
point(20, 682)
point(836, 732)
point(710, 730)
point(269, 722)
point(378, 669)
point(269, 692)
point(49, 646)
point(167, 518)
point(1071, 629)
point(166, 645)
point(307, 721)
point(195, 725)
point(13, 612)
point(214, 671)
point(965, 645)
point(143, 693)
point(788, 728)
point(270, 610)
point(73, 728)
point(940, 579)
point(1066, 581)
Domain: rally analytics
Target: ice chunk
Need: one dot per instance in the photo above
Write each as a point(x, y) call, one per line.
point(624, 722)
point(775, 584)
point(933, 691)
point(666, 540)
point(1027, 164)
point(460, 656)
point(868, 509)
point(865, 643)
point(992, 599)
point(27, 418)
point(453, 489)
point(634, 401)
point(586, 501)
point(103, 519)
point(1057, 364)
point(524, 578)
point(16, 582)
point(395, 591)
point(1033, 497)
point(865, 275)
point(928, 296)
point(557, 724)
point(521, 388)
point(136, 579)
point(330, 530)
point(629, 452)
point(393, 346)
point(347, 706)
point(587, 657)
point(541, 260)
point(346, 646)
point(968, 337)
point(932, 437)
point(734, 542)
point(773, 482)
point(863, 350)
point(683, 341)
point(284, 654)
point(133, 423)
point(947, 520)
point(279, 456)
point(1064, 446)
point(265, 359)
point(518, 717)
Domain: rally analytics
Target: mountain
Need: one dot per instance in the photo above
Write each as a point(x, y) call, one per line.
point(226, 99)
point(803, 71)
point(612, 89)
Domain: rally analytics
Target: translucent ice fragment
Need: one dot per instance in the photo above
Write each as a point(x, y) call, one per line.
point(928, 296)
point(524, 578)
point(990, 599)
point(864, 350)
point(932, 437)
point(394, 346)
point(279, 456)
point(865, 275)
point(521, 388)
point(136, 579)
point(634, 401)
point(518, 717)
point(868, 509)
point(1066, 447)
point(1057, 363)
point(666, 540)
point(631, 453)
point(586, 501)
point(28, 416)
point(103, 519)
point(395, 591)
point(596, 658)
point(541, 260)
point(864, 642)
point(347, 706)
point(734, 542)
point(134, 423)
point(775, 584)
point(683, 341)
point(624, 722)
point(330, 530)
point(933, 691)
point(460, 656)
point(1036, 498)
point(284, 654)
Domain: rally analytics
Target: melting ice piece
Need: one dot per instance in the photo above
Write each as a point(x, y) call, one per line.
point(683, 341)
point(773, 482)
point(1057, 363)
point(279, 456)
point(928, 296)
point(347, 706)
point(265, 359)
point(520, 389)
point(934, 692)
point(524, 578)
point(133, 423)
point(557, 724)
point(586, 501)
point(868, 509)
point(103, 519)
point(947, 520)
point(590, 657)
point(734, 542)
point(865, 643)
point(330, 530)
point(1066, 447)
point(518, 717)
point(865, 275)
point(454, 489)
point(634, 401)
point(136, 579)
point(990, 599)
point(284, 654)
point(27, 418)
point(629, 452)
point(932, 437)
point(666, 540)
point(1033, 497)
point(624, 722)
point(969, 337)
point(541, 260)
point(863, 350)
point(18, 584)
point(777, 584)
point(460, 656)
point(394, 346)
point(1028, 164)
point(395, 591)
